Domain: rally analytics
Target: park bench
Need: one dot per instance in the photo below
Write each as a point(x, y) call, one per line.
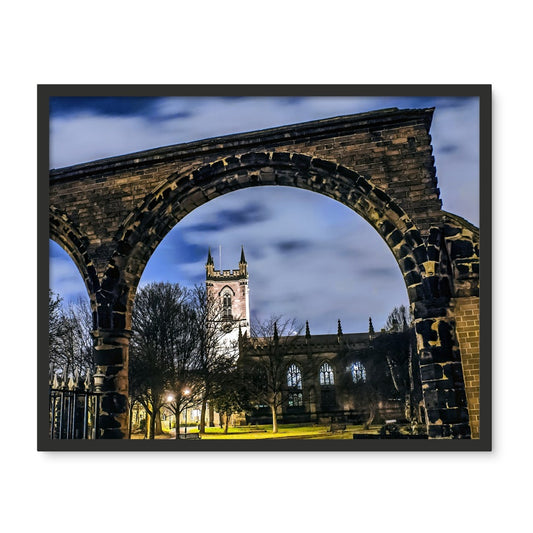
point(336, 426)
point(190, 436)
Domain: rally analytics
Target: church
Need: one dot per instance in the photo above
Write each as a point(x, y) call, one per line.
point(354, 377)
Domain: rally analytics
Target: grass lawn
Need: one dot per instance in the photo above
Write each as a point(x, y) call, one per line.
point(285, 431)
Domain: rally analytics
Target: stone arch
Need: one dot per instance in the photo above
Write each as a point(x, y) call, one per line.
point(420, 260)
point(180, 194)
point(65, 232)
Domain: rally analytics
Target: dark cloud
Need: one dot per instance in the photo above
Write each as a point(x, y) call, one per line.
point(250, 213)
point(174, 253)
point(150, 109)
point(205, 227)
point(177, 115)
point(292, 100)
point(107, 106)
point(448, 149)
point(292, 246)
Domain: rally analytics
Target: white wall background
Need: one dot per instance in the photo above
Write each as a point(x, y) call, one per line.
point(277, 42)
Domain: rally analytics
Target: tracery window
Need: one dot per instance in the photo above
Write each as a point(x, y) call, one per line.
point(326, 374)
point(294, 377)
point(358, 372)
point(226, 305)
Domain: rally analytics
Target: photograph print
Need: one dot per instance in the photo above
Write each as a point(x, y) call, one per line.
point(264, 268)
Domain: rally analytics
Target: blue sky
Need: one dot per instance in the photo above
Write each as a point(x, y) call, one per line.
point(309, 257)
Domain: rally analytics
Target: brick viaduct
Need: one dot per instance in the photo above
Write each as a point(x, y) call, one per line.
point(111, 214)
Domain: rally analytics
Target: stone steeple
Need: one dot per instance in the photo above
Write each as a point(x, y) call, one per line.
point(371, 332)
point(210, 264)
point(339, 331)
point(243, 265)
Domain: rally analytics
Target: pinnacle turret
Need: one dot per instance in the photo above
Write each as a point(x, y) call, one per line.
point(209, 257)
point(210, 264)
point(243, 265)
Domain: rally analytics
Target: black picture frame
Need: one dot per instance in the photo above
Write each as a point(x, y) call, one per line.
point(483, 92)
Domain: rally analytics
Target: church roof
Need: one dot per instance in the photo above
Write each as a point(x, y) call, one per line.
point(302, 343)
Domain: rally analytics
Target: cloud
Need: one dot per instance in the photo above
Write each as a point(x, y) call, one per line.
point(312, 258)
point(64, 277)
point(251, 213)
point(293, 245)
point(458, 168)
point(110, 106)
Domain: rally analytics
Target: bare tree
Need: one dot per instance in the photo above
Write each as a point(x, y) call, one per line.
point(214, 358)
point(398, 320)
point(391, 368)
point(160, 350)
point(70, 339)
point(265, 361)
point(231, 395)
point(54, 330)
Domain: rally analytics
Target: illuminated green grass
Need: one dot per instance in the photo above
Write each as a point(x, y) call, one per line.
point(285, 431)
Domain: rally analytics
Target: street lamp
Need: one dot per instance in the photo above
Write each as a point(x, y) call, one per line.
point(170, 399)
point(186, 393)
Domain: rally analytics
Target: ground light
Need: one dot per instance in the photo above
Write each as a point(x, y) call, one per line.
point(186, 392)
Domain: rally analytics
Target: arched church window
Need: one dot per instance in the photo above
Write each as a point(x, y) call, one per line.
point(226, 306)
point(294, 377)
point(358, 372)
point(326, 374)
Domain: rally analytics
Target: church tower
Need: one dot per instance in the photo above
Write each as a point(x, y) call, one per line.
point(230, 289)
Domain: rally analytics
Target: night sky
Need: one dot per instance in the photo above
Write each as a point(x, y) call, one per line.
point(309, 257)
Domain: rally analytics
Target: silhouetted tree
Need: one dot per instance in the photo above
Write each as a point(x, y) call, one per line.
point(70, 339)
point(398, 320)
point(214, 358)
point(265, 361)
point(231, 395)
point(160, 353)
point(390, 368)
point(54, 330)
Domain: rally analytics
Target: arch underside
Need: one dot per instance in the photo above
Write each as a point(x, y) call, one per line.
point(66, 234)
point(180, 194)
